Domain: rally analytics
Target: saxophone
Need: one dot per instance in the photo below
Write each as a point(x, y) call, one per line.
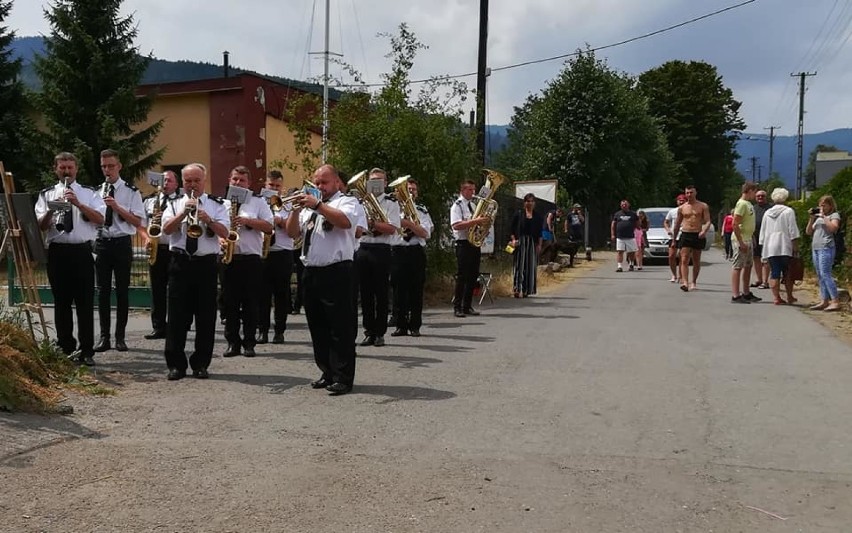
point(155, 228)
point(230, 243)
point(486, 207)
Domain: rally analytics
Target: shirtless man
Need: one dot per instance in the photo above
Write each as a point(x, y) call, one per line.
point(693, 222)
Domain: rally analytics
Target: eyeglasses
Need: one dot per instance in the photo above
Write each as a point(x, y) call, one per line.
point(111, 165)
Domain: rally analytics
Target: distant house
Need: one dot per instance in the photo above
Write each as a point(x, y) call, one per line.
point(224, 122)
point(828, 164)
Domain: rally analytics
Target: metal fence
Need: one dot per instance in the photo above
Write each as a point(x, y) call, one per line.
point(140, 294)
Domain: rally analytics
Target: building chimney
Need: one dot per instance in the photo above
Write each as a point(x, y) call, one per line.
point(227, 68)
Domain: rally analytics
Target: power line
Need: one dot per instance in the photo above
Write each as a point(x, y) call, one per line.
point(563, 56)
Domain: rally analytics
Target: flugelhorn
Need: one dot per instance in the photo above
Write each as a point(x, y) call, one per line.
point(64, 210)
point(193, 227)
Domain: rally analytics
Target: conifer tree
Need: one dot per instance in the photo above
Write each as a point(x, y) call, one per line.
point(89, 78)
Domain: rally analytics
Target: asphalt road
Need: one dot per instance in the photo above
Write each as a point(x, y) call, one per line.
point(617, 403)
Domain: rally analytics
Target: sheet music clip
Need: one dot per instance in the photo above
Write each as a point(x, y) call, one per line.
point(484, 192)
point(239, 195)
point(155, 179)
point(268, 193)
point(376, 187)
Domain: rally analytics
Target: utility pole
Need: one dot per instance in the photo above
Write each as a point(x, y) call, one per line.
point(753, 160)
point(771, 147)
point(760, 174)
point(481, 76)
point(800, 190)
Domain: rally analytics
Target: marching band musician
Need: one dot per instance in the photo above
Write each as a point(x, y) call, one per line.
point(158, 273)
point(327, 228)
point(277, 270)
point(373, 265)
point(243, 277)
point(114, 249)
point(192, 273)
point(410, 261)
point(467, 255)
point(70, 268)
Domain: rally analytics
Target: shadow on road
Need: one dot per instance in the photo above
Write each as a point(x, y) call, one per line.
point(36, 432)
point(405, 361)
point(276, 384)
point(400, 393)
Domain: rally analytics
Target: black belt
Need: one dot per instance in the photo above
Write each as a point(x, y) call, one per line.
point(244, 257)
point(123, 238)
point(71, 245)
point(181, 253)
point(374, 245)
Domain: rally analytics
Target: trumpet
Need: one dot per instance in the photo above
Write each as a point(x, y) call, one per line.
point(61, 226)
point(193, 227)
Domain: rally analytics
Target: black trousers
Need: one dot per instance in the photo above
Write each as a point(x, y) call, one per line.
point(192, 293)
point(241, 287)
point(328, 309)
point(299, 267)
point(409, 277)
point(114, 256)
point(467, 272)
point(158, 274)
point(71, 273)
point(277, 271)
point(374, 261)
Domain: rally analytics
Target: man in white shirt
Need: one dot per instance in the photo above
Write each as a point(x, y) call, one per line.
point(158, 273)
point(243, 276)
point(327, 228)
point(467, 255)
point(70, 267)
point(277, 270)
point(193, 273)
point(114, 249)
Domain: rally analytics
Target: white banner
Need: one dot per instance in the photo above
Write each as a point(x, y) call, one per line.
point(543, 189)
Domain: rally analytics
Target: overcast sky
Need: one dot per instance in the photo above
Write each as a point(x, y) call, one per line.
point(755, 47)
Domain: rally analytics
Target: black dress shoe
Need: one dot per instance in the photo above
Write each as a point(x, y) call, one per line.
point(369, 340)
point(399, 332)
point(380, 341)
point(278, 338)
point(248, 351)
point(337, 389)
point(262, 338)
point(414, 333)
point(103, 345)
point(295, 311)
point(232, 351)
point(87, 360)
point(201, 373)
point(458, 313)
point(120, 345)
point(156, 335)
point(175, 374)
point(321, 383)
point(471, 312)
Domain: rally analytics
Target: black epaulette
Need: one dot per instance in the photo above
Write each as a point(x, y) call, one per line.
point(458, 201)
point(152, 195)
point(216, 199)
point(422, 208)
point(90, 187)
point(257, 195)
point(132, 187)
point(46, 189)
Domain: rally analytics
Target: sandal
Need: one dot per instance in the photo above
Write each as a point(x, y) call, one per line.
point(755, 285)
point(780, 302)
point(684, 288)
point(832, 308)
point(763, 286)
point(818, 307)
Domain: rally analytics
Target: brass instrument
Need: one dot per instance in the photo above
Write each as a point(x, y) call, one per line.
point(230, 242)
point(155, 228)
point(193, 227)
point(406, 203)
point(486, 207)
point(374, 211)
point(65, 211)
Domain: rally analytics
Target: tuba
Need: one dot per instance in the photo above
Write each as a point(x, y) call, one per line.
point(193, 227)
point(486, 207)
point(406, 202)
point(155, 228)
point(230, 242)
point(374, 211)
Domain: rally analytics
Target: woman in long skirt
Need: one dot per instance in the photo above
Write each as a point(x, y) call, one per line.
point(526, 239)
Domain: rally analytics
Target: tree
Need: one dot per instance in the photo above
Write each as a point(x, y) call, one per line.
point(420, 135)
point(810, 170)
point(89, 77)
point(700, 118)
point(18, 151)
point(592, 132)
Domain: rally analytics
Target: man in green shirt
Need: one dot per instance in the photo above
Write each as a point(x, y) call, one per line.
point(744, 222)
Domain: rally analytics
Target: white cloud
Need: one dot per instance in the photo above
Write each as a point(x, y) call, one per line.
point(755, 47)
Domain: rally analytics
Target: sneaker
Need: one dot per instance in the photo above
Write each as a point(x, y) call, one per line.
point(673, 280)
point(751, 297)
point(619, 269)
point(630, 268)
point(739, 300)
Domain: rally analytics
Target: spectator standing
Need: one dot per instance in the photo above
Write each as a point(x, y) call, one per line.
point(549, 247)
point(743, 246)
point(761, 269)
point(577, 220)
point(526, 239)
point(823, 224)
point(641, 236)
point(727, 231)
point(779, 241)
point(624, 221)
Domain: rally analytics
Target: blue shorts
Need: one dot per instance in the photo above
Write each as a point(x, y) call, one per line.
point(778, 265)
point(546, 235)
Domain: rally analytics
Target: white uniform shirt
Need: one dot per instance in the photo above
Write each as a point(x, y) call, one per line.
point(329, 246)
point(84, 231)
point(129, 198)
point(425, 223)
point(207, 244)
point(460, 211)
point(151, 201)
point(251, 240)
point(362, 223)
point(391, 209)
point(282, 240)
